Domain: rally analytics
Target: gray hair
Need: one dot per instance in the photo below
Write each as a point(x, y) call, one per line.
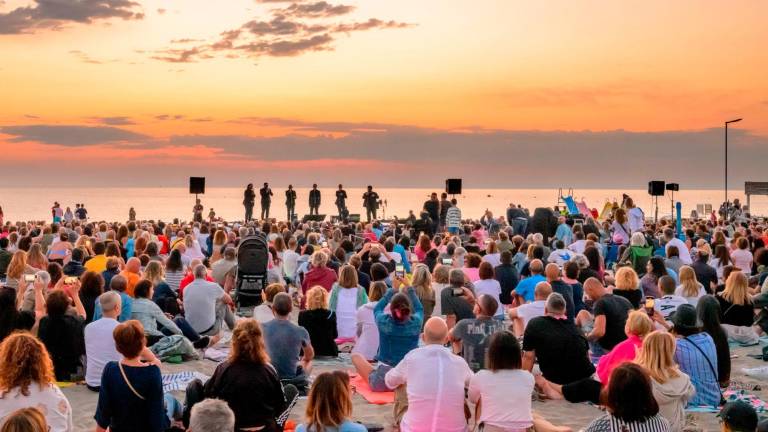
point(580, 261)
point(109, 301)
point(211, 415)
point(555, 303)
point(44, 277)
point(200, 271)
point(456, 278)
point(637, 239)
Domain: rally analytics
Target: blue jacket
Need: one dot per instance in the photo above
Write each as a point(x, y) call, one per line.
point(396, 339)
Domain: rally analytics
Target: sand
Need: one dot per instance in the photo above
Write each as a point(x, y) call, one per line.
point(576, 416)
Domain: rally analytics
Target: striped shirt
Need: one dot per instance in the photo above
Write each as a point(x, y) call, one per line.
point(173, 279)
point(609, 423)
point(690, 355)
point(453, 217)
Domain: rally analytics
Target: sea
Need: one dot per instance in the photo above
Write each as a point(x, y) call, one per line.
point(166, 203)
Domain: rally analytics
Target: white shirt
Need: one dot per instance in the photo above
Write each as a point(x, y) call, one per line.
point(742, 259)
point(493, 259)
point(290, 263)
point(367, 344)
point(438, 288)
point(200, 298)
point(691, 300)
point(505, 396)
point(436, 381)
point(263, 313)
point(50, 400)
point(346, 312)
point(529, 311)
point(99, 348)
point(636, 219)
point(560, 256)
point(489, 287)
point(685, 254)
point(578, 246)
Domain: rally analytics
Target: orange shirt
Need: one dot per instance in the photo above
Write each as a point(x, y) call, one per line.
point(132, 278)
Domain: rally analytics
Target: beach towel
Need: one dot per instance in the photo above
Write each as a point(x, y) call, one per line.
point(362, 388)
point(180, 380)
point(217, 354)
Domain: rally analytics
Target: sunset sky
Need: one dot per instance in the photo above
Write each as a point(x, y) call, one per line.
point(398, 93)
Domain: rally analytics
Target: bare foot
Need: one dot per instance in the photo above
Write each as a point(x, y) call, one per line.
point(547, 388)
point(214, 339)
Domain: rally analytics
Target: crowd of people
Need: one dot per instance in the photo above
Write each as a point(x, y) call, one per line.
point(463, 319)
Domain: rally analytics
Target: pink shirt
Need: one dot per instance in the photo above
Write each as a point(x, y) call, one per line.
point(623, 352)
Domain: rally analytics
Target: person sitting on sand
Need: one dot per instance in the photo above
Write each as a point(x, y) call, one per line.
point(329, 406)
point(609, 314)
point(211, 415)
point(320, 323)
point(206, 305)
point(367, 340)
point(456, 301)
point(557, 344)
point(470, 336)
point(435, 380)
point(285, 341)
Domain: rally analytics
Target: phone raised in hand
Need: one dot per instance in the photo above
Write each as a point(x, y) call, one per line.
point(29, 278)
point(399, 271)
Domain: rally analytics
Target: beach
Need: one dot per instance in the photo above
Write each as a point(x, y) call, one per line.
point(165, 203)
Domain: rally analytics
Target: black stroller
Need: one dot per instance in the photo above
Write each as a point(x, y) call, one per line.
point(252, 259)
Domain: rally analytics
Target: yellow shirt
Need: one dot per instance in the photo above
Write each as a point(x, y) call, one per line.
point(96, 264)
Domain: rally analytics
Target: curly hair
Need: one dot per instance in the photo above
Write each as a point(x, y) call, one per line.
point(23, 361)
point(317, 298)
point(248, 343)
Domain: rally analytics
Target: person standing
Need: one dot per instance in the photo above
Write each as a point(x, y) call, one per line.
point(57, 212)
point(341, 202)
point(314, 200)
point(432, 206)
point(444, 206)
point(81, 213)
point(131, 214)
point(197, 211)
point(249, 199)
point(453, 218)
point(290, 202)
point(266, 200)
point(371, 203)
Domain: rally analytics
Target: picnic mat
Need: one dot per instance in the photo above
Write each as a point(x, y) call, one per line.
point(180, 380)
point(361, 387)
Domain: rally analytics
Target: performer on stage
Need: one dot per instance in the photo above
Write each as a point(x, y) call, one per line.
point(341, 202)
point(290, 201)
point(198, 211)
point(314, 200)
point(249, 199)
point(371, 203)
point(266, 201)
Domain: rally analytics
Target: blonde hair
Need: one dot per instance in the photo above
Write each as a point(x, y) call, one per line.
point(626, 279)
point(154, 272)
point(657, 356)
point(737, 289)
point(688, 282)
point(29, 419)
point(17, 265)
point(422, 281)
point(638, 323)
point(319, 259)
point(317, 298)
point(348, 277)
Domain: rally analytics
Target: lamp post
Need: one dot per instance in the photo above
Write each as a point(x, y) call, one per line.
point(727, 206)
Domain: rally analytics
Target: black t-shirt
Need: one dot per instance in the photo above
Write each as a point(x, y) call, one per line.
point(234, 383)
point(433, 208)
point(453, 305)
point(341, 197)
point(65, 340)
point(615, 308)
point(737, 315)
point(321, 326)
point(705, 274)
point(566, 291)
point(561, 350)
point(633, 296)
point(508, 278)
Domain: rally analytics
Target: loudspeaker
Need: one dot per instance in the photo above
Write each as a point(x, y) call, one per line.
point(673, 187)
point(453, 186)
point(197, 185)
point(313, 218)
point(656, 188)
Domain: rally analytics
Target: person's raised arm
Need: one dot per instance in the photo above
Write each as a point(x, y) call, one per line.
point(382, 304)
point(76, 299)
point(418, 308)
point(39, 303)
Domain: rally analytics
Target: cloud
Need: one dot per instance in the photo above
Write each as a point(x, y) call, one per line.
point(282, 34)
point(115, 121)
point(70, 135)
point(319, 9)
point(85, 58)
point(55, 14)
point(164, 117)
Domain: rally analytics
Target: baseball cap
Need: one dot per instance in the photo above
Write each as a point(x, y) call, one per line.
point(739, 416)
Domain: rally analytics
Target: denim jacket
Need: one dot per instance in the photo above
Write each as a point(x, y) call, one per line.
point(396, 339)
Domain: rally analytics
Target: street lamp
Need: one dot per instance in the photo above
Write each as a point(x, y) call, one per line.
point(727, 206)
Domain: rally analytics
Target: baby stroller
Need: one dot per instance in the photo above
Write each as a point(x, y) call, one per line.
point(252, 259)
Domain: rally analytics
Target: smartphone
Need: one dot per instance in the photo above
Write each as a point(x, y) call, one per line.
point(487, 242)
point(29, 278)
point(649, 306)
point(70, 280)
point(457, 292)
point(399, 271)
point(447, 261)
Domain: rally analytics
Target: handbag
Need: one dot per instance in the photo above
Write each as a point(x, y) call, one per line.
point(128, 383)
point(711, 367)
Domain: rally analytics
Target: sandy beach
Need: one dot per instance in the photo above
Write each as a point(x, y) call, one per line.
point(576, 416)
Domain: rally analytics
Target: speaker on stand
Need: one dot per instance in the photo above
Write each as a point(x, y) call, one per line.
point(453, 186)
point(672, 188)
point(656, 189)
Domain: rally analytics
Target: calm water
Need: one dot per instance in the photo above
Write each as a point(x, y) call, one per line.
point(166, 203)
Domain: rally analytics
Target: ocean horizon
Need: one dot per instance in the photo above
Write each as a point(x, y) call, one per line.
point(113, 203)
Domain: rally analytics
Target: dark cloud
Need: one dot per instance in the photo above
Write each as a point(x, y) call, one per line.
point(283, 34)
point(70, 135)
point(115, 121)
point(30, 116)
point(164, 117)
point(55, 14)
point(319, 9)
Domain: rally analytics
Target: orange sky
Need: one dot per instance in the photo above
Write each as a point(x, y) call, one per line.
point(436, 64)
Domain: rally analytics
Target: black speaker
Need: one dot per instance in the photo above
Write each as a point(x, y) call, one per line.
point(313, 218)
point(453, 186)
point(675, 187)
point(656, 188)
point(197, 185)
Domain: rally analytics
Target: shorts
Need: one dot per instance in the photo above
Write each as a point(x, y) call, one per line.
point(376, 378)
point(453, 230)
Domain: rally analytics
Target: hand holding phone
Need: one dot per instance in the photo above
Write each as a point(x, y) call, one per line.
point(399, 271)
point(649, 306)
point(29, 278)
